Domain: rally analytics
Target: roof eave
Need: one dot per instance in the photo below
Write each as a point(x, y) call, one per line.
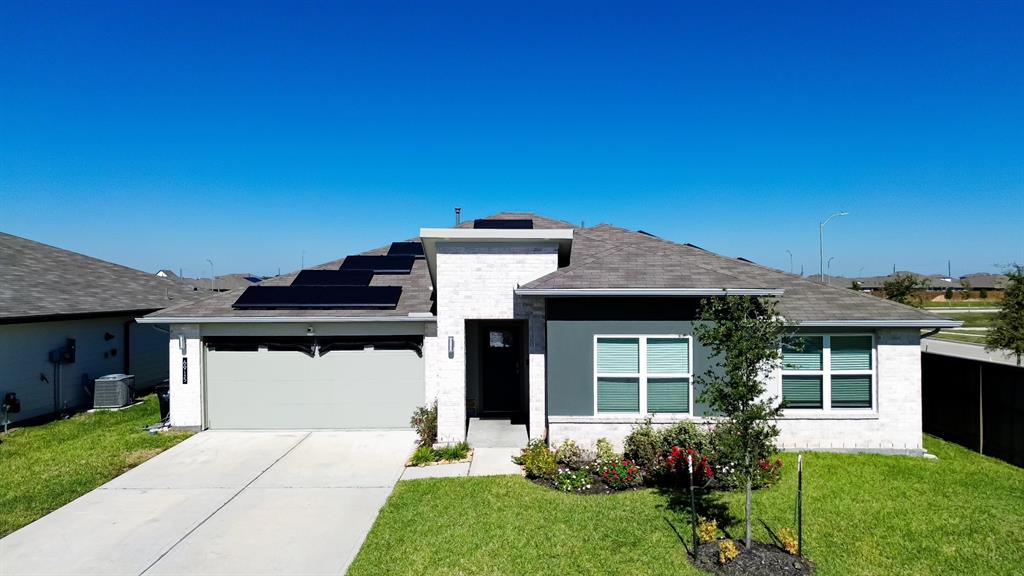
point(425, 317)
point(922, 323)
point(571, 292)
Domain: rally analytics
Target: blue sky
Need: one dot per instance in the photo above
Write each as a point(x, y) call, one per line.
point(160, 134)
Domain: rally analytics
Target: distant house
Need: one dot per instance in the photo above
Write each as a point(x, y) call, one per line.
point(67, 318)
point(218, 284)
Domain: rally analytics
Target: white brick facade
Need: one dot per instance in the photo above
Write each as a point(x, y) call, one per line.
point(477, 281)
point(896, 424)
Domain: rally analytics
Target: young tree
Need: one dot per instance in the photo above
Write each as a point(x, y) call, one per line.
point(1007, 331)
point(949, 294)
point(855, 285)
point(745, 335)
point(904, 288)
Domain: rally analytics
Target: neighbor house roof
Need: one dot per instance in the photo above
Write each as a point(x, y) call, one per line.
point(39, 281)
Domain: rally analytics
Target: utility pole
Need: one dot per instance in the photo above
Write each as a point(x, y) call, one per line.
point(821, 244)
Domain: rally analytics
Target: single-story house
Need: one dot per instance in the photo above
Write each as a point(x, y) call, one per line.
point(66, 319)
point(576, 332)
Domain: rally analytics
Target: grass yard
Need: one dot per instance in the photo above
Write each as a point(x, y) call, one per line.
point(44, 467)
point(971, 319)
point(864, 514)
point(968, 337)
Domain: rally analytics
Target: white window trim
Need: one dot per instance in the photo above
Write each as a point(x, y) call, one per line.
point(642, 374)
point(826, 374)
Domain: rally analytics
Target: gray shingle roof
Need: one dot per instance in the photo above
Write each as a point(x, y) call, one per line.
point(606, 256)
point(38, 280)
point(415, 299)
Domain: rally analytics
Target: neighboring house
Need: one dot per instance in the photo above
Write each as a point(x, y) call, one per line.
point(576, 332)
point(221, 283)
point(66, 319)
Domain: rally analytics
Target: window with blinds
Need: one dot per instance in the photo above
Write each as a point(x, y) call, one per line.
point(642, 374)
point(829, 372)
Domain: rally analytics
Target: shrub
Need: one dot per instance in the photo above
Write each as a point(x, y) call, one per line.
point(983, 294)
point(456, 452)
point(644, 446)
point(572, 480)
point(727, 551)
point(706, 530)
point(424, 420)
point(537, 460)
point(788, 541)
point(569, 454)
point(620, 474)
point(765, 474)
point(605, 451)
point(422, 455)
point(677, 462)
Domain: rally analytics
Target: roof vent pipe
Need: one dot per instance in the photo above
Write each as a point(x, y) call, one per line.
point(458, 216)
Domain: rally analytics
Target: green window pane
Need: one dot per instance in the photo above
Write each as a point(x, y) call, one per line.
point(851, 352)
point(802, 354)
point(618, 395)
point(851, 392)
point(668, 355)
point(668, 395)
point(618, 355)
point(801, 391)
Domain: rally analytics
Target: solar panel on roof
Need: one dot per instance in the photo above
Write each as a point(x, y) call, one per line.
point(414, 249)
point(523, 224)
point(319, 297)
point(333, 278)
point(379, 264)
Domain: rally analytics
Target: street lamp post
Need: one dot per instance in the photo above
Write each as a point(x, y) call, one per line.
point(213, 281)
point(828, 270)
point(790, 261)
point(821, 244)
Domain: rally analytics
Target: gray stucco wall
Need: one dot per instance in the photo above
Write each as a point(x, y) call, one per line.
point(571, 360)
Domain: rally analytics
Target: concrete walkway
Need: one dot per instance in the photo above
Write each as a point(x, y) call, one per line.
point(223, 503)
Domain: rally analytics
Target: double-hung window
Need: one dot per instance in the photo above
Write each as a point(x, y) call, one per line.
point(829, 372)
point(643, 374)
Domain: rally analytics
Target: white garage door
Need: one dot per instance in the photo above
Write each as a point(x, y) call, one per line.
point(369, 388)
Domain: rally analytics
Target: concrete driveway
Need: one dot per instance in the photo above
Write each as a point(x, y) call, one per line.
point(223, 503)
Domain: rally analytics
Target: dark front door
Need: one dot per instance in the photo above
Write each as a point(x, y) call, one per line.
point(501, 368)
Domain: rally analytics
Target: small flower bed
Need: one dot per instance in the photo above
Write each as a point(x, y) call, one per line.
point(620, 474)
point(573, 480)
point(426, 456)
point(569, 468)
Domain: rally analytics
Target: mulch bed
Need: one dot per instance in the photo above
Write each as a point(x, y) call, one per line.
point(759, 560)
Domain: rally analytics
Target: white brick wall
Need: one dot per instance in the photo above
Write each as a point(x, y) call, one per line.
point(186, 399)
point(894, 428)
point(476, 281)
point(897, 424)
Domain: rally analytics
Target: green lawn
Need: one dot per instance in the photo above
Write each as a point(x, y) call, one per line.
point(968, 337)
point(971, 319)
point(865, 514)
point(44, 467)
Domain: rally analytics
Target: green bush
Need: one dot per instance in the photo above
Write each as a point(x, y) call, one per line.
point(569, 454)
point(645, 446)
point(649, 446)
point(422, 455)
point(424, 420)
point(620, 474)
point(605, 451)
point(537, 460)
